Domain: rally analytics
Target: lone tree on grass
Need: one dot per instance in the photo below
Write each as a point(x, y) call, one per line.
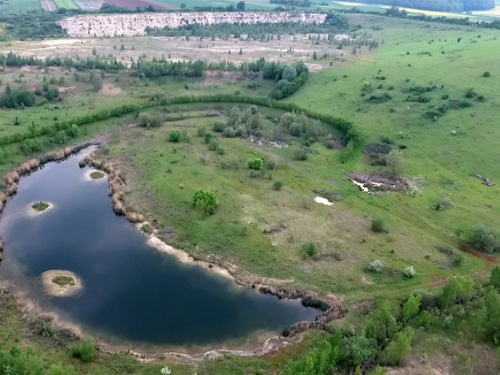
point(394, 161)
point(174, 136)
point(206, 201)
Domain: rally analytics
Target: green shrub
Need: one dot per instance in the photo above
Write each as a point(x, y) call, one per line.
point(485, 239)
point(229, 132)
point(254, 174)
point(220, 150)
point(271, 164)
point(86, 351)
point(309, 249)
point(206, 201)
point(212, 146)
point(409, 272)
point(219, 126)
point(207, 137)
point(255, 164)
point(277, 185)
point(375, 266)
point(486, 74)
point(299, 154)
point(378, 225)
point(201, 132)
point(175, 136)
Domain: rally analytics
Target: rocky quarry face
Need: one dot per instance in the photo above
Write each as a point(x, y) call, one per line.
point(120, 25)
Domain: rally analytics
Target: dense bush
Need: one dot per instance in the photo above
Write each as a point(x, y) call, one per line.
point(86, 351)
point(174, 136)
point(485, 239)
point(206, 201)
point(255, 164)
point(300, 154)
point(375, 266)
point(378, 225)
point(409, 272)
point(309, 249)
point(277, 185)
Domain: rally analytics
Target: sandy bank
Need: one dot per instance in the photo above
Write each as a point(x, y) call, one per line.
point(57, 290)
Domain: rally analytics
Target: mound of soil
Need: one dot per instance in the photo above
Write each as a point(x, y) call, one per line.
point(371, 183)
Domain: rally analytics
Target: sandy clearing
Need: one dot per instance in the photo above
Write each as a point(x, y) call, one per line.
point(323, 201)
point(110, 90)
point(48, 6)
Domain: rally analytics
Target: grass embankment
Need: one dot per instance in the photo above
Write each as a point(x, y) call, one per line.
point(259, 228)
point(54, 347)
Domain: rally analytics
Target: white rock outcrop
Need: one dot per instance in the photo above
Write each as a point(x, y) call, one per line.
point(118, 25)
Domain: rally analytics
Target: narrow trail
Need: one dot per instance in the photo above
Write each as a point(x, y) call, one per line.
point(490, 261)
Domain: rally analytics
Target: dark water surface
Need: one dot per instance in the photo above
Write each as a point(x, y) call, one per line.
point(131, 291)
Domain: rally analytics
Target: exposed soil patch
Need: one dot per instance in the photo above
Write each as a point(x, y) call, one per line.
point(379, 183)
point(214, 77)
point(486, 181)
point(110, 90)
point(48, 6)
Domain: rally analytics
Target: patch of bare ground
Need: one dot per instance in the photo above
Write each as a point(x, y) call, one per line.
point(48, 6)
point(215, 77)
point(110, 90)
point(466, 358)
point(288, 49)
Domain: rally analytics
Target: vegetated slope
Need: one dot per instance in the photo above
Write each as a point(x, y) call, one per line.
point(439, 5)
point(431, 92)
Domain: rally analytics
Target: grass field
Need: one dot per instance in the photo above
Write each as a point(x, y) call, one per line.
point(66, 4)
point(22, 6)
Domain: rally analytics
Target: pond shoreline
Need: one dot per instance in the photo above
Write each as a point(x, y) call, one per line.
point(331, 306)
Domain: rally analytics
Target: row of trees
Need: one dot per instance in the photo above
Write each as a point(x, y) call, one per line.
point(352, 136)
point(387, 337)
point(13, 60)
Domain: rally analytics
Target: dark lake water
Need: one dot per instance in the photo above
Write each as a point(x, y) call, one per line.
point(132, 292)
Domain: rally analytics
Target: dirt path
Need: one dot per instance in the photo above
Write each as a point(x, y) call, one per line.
point(48, 6)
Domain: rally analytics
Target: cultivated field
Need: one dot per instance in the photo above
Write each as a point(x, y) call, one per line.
point(65, 4)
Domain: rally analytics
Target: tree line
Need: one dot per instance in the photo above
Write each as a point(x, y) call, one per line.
point(14, 60)
point(462, 307)
point(352, 136)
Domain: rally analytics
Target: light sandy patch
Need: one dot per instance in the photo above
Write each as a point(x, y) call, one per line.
point(34, 213)
point(366, 281)
point(361, 186)
point(110, 90)
point(185, 258)
point(64, 90)
point(100, 179)
point(324, 201)
point(61, 290)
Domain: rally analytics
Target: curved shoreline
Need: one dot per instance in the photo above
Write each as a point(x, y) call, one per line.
point(331, 305)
